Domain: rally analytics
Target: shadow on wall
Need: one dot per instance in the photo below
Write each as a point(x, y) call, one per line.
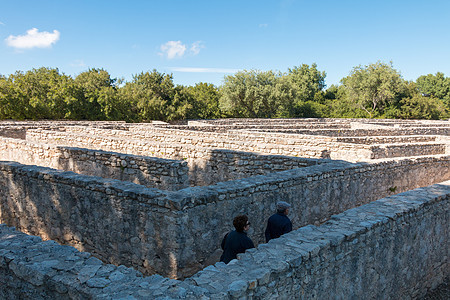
point(15, 132)
point(178, 233)
point(316, 193)
point(115, 229)
point(152, 172)
point(221, 165)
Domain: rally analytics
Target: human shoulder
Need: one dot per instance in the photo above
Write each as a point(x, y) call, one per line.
point(274, 216)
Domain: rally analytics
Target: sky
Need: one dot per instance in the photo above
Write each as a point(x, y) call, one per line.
point(203, 41)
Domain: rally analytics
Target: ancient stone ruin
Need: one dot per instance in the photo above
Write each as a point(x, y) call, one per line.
point(112, 210)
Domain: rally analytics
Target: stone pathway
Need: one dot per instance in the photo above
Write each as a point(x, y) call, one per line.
point(442, 292)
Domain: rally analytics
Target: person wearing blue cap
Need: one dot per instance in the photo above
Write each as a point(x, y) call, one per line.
point(279, 223)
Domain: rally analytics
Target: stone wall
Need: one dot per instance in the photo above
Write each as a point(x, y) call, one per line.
point(293, 121)
point(17, 132)
point(242, 141)
point(396, 247)
point(351, 149)
point(158, 231)
point(181, 146)
point(406, 150)
point(370, 140)
point(393, 248)
point(445, 140)
point(316, 123)
point(117, 221)
point(367, 132)
point(148, 171)
point(17, 129)
point(219, 165)
point(34, 269)
point(207, 165)
point(315, 193)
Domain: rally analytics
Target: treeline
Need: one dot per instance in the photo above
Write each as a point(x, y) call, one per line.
point(373, 91)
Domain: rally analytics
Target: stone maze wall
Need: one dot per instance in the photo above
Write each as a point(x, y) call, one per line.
point(319, 122)
point(387, 151)
point(149, 171)
point(171, 144)
point(117, 221)
point(164, 173)
point(157, 231)
point(386, 249)
point(382, 250)
point(206, 165)
point(231, 166)
point(367, 132)
point(387, 139)
point(336, 148)
point(18, 129)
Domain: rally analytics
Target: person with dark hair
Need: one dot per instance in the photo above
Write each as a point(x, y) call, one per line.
point(279, 223)
point(236, 241)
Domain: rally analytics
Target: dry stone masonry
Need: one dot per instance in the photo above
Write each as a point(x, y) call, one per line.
point(381, 250)
point(138, 210)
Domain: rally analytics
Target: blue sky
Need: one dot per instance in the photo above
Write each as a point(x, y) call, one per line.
point(202, 41)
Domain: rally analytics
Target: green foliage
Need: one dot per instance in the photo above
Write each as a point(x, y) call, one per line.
point(311, 109)
point(153, 96)
point(258, 94)
point(37, 94)
point(374, 87)
point(204, 98)
point(345, 108)
point(93, 91)
point(306, 82)
point(331, 93)
point(436, 86)
point(253, 94)
point(150, 93)
point(420, 107)
point(373, 91)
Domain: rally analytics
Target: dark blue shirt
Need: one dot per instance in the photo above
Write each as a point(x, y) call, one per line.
point(233, 243)
point(277, 225)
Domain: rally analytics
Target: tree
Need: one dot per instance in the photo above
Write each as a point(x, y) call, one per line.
point(436, 86)
point(304, 86)
point(37, 94)
point(12, 104)
point(154, 96)
point(254, 94)
point(332, 93)
point(306, 82)
point(97, 97)
point(374, 87)
point(420, 107)
point(205, 101)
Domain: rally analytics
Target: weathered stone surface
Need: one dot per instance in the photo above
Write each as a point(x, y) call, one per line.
point(371, 248)
point(237, 288)
point(157, 231)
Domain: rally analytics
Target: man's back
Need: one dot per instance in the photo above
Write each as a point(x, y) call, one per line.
point(277, 225)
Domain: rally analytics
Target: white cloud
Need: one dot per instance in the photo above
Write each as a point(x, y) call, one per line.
point(33, 39)
point(1, 23)
point(204, 70)
point(176, 49)
point(263, 25)
point(196, 47)
point(173, 49)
